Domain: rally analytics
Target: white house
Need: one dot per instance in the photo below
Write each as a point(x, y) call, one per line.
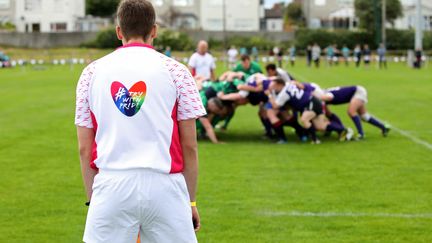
point(43, 15)
point(409, 19)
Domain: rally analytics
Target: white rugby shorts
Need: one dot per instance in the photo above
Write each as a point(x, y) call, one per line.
point(361, 94)
point(125, 203)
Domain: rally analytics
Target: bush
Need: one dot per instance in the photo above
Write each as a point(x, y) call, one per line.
point(176, 40)
point(323, 38)
point(105, 39)
point(396, 39)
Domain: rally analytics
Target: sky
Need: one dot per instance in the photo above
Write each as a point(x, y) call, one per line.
point(269, 3)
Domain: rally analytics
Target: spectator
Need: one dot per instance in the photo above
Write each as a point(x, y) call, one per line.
point(247, 66)
point(366, 55)
point(243, 51)
point(278, 54)
point(309, 55)
point(232, 56)
point(168, 51)
point(357, 55)
point(345, 54)
point(330, 54)
point(418, 58)
point(382, 56)
point(255, 53)
point(4, 60)
point(201, 63)
point(316, 54)
point(292, 55)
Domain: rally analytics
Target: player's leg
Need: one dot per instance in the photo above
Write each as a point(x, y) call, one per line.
point(292, 121)
point(168, 217)
point(373, 121)
point(353, 109)
point(361, 97)
point(113, 212)
point(276, 123)
point(306, 120)
point(262, 113)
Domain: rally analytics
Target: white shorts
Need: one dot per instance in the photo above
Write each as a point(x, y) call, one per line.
point(125, 203)
point(361, 94)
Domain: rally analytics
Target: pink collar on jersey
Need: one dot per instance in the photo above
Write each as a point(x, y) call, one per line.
point(136, 44)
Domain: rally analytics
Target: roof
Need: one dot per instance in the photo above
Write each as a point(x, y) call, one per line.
point(274, 13)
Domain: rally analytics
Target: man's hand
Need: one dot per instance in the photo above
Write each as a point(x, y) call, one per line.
point(196, 219)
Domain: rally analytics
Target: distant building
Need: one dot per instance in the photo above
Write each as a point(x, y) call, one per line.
point(409, 19)
point(241, 15)
point(7, 11)
point(274, 18)
point(331, 14)
point(42, 15)
point(178, 14)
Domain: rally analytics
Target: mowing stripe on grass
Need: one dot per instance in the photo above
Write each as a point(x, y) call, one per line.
point(345, 214)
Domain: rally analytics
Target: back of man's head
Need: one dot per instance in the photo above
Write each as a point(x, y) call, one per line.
point(136, 18)
point(245, 57)
point(271, 67)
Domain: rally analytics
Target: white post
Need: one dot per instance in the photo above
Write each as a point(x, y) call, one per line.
point(383, 23)
point(419, 27)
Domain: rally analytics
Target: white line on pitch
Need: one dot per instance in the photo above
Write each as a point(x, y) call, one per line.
point(345, 214)
point(413, 138)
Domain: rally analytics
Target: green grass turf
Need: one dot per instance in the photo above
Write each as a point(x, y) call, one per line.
point(248, 187)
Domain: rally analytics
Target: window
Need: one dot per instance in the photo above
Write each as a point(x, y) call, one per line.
point(215, 24)
point(183, 3)
point(320, 2)
point(158, 2)
point(4, 4)
point(32, 5)
point(215, 3)
point(243, 24)
point(36, 27)
point(58, 27)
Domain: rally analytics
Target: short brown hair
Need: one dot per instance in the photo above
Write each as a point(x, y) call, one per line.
point(245, 57)
point(136, 18)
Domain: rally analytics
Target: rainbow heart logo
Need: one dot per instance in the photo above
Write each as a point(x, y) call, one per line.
point(128, 101)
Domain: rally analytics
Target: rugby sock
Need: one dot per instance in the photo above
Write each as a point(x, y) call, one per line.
point(299, 130)
point(278, 128)
point(333, 126)
point(334, 118)
point(312, 133)
point(267, 126)
point(376, 123)
point(357, 122)
point(372, 120)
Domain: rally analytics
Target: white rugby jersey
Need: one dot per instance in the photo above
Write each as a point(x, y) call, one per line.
point(133, 98)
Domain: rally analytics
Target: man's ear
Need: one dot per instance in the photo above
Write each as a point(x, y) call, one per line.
point(119, 33)
point(154, 31)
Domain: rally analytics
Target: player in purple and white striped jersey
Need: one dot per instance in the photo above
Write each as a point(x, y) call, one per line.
point(302, 100)
point(356, 97)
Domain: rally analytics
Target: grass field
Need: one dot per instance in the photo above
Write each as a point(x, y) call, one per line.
point(376, 190)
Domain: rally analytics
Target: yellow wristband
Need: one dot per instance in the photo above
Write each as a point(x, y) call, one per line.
point(193, 204)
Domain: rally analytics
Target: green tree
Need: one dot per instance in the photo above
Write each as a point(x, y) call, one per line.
point(294, 13)
point(102, 8)
point(364, 10)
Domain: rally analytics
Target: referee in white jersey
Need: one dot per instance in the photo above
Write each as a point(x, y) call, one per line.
point(135, 116)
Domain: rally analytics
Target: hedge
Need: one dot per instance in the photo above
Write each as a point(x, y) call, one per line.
point(179, 41)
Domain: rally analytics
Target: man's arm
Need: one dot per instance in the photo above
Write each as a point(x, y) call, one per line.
point(212, 74)
point(189, 145)
point(85, 142)
point(209, 129)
